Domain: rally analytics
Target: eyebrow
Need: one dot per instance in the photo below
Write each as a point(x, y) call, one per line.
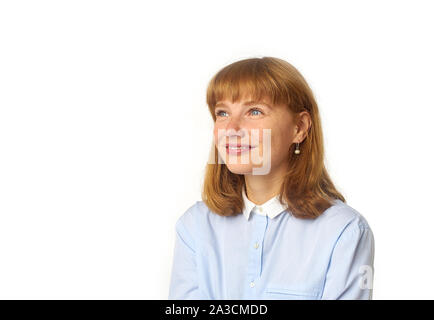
point(247, 103)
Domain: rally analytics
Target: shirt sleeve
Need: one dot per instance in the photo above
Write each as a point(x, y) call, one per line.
point(184, 276)
point(351, 267)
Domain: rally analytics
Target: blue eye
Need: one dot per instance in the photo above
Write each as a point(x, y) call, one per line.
point(218, 113)
point(252, 110)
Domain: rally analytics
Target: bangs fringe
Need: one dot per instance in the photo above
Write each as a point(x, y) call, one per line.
point(251, 78)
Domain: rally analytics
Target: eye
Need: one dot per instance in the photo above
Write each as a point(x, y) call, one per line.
point(256, 110)
point(218, 113)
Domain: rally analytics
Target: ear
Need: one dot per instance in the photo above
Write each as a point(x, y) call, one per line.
point(302, 125)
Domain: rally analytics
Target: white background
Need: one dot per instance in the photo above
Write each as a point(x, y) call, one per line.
point(105, 132)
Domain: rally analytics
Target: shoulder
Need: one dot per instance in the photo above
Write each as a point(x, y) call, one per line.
point(193, 216)
point(341, 212)
point(342, 219)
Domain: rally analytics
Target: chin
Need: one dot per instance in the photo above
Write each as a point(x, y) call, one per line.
point(240, 168)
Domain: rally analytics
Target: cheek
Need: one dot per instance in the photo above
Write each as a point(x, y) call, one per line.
point(258, 135)
point(280, 141)
point(215, 133)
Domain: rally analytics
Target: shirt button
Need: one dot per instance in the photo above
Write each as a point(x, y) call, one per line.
point(252, 284)
point(256, 245)
point(260, 209)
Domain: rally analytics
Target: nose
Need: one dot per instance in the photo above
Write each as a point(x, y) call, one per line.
point(235, 134)
point(232, 132)
point(233, 124)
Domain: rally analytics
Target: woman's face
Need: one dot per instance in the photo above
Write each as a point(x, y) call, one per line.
point(264, 131)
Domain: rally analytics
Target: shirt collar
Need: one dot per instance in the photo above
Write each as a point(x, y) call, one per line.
point(271, 208)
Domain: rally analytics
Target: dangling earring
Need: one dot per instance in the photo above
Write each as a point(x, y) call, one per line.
point(297, 150)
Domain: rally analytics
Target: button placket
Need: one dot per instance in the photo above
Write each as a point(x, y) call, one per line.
point(255, 252)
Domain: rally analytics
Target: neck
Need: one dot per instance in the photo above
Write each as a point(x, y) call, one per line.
point(261, 188)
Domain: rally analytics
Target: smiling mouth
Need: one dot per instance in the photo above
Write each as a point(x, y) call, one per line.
point(239, 147)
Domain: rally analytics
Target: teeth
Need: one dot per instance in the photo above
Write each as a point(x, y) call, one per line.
point(236, 148)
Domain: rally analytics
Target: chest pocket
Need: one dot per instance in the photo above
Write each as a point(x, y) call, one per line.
point(273, 292)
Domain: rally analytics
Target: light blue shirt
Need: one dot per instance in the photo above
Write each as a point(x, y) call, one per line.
point(267, 253)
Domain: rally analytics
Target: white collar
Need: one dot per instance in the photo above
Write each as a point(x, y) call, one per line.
point(271, 208)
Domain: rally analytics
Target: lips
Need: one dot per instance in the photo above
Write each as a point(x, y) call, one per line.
point(238, 145)
point(237, 149)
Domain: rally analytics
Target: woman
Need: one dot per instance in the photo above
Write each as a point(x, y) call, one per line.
point(271, 224)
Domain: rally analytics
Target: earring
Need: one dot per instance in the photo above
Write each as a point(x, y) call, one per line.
point(297, 150)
